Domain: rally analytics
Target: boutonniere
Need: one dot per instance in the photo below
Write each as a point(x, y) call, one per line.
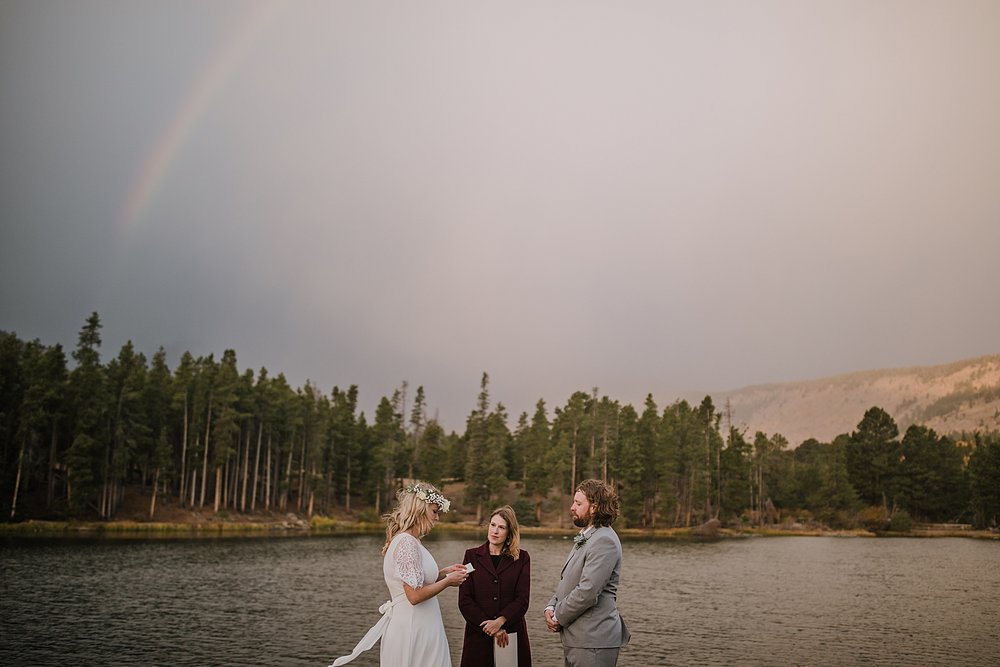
point(579, 540)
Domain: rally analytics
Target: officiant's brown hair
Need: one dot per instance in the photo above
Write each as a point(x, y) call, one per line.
point(512, 543)
point(604, 500)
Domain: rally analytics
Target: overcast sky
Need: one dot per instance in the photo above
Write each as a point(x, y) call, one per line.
point(636, 196)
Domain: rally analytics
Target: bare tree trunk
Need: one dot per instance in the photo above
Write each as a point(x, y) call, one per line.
point(246, 473)
point(758, 503)
point(53, 443)
point(302, 475)
point(229, 475)
point(604, 447)
point(228, 480)
point(329, 491)
point(204, 460)
point(718, 481)
point(760, 493)
point(347, 485)
point(708, 477)
point(267, 476)
point(593, 448)
point(152, 501)
point(218, 487)
point(234, 483)
point(279, 493)
point(572, 486)
point(242, 444)
point(194, 483)
point(288, 481)
point(690, 500)
point(312, 495)
point(184, 444)
point(256, 467)
point(101, 503)
point(17, 480)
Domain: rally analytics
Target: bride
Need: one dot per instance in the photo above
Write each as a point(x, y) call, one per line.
point(411, 628)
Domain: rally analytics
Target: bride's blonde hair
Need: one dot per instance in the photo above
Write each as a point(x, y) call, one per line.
point(411, 510)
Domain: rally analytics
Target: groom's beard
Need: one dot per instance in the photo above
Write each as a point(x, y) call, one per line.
point(581, 522)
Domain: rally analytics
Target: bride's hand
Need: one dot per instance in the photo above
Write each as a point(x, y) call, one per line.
point(456, 577)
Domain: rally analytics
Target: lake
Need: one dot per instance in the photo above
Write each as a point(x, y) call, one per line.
point(306, 601)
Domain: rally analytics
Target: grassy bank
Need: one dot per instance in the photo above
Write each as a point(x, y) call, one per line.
point(320, 525)
point(128, 528)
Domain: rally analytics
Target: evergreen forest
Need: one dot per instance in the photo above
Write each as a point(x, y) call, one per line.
point(77, 435)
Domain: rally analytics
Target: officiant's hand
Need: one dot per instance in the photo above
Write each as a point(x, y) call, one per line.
point(502, 638)
point(493, 627)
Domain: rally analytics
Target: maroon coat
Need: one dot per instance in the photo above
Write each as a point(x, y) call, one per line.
point(489, 593)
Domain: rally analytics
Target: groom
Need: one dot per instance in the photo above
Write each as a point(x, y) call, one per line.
point(583, 609)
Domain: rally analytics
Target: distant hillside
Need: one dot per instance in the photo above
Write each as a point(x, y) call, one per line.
point(960, 396)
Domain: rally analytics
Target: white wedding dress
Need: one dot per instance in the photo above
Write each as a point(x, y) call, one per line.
point(415, 634)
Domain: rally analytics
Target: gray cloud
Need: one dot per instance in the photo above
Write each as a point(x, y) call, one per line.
point(642, 197)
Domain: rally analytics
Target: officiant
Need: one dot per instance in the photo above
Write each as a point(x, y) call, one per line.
point(494, 599)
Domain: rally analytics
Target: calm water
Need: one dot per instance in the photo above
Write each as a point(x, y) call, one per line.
point(305, 601)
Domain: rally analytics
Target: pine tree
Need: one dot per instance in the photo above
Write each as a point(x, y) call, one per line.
point(89, 415)
point(477, 470)
point(537, 473)
point(388, 437)
point(873, 458)
point(41, 379)
point(630, 471)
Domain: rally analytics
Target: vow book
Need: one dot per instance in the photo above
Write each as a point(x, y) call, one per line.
point(506, 656)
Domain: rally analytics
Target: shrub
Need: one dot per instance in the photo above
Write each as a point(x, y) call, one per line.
point(369, 516)
point(836, 519)
point(900, 522)
point(525, 511)
point(874, 518)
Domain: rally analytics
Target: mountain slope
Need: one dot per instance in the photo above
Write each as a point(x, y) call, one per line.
point(960, 396)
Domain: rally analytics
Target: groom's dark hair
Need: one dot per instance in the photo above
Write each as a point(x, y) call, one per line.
point(603, 498)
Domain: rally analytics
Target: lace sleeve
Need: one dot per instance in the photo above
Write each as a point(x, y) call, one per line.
point(409, 564)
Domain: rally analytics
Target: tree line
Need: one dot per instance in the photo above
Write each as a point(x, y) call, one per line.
point(205, 434)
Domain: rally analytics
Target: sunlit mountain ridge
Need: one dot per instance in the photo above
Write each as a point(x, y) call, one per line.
point(961, 396)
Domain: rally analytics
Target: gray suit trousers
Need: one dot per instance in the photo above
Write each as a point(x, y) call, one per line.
point(590, 657)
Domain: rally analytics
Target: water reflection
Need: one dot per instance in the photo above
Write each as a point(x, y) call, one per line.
point(304, 601)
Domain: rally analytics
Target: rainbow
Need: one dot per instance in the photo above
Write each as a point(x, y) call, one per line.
point(156, 166)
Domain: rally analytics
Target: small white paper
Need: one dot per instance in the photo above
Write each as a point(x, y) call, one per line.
point(469, 568)
point(506, 656)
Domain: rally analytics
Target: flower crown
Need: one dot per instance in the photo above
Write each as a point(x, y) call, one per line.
point(429, 496)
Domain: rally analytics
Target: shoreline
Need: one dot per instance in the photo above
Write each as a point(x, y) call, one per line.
point(325, 526)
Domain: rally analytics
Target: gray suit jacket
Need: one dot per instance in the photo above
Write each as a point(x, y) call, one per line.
point(586, 597)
